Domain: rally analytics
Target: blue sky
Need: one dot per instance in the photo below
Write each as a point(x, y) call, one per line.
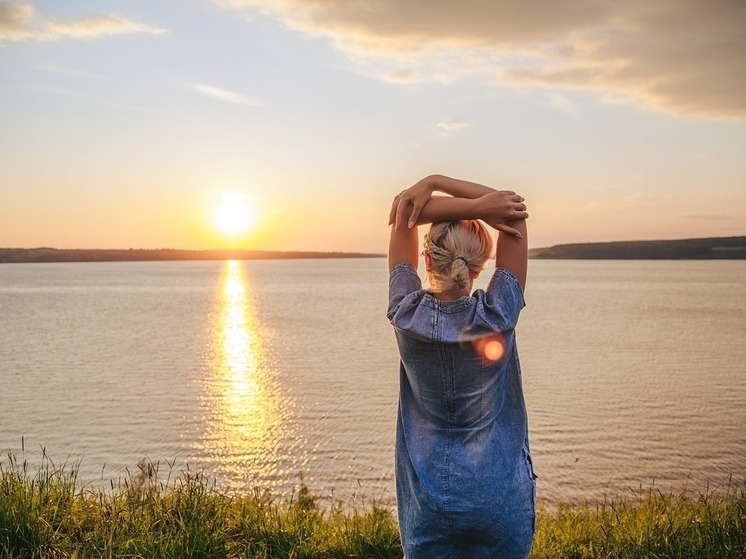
point(125, 123)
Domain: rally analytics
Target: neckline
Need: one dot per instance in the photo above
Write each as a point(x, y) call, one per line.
point(452, 304)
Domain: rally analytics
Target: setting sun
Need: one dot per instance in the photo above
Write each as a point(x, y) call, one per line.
point(235, 214)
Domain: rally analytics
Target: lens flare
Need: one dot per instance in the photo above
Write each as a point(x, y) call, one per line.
point(493, 350)
point(490, 348)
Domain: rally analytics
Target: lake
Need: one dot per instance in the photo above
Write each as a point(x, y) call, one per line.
point(260, 371)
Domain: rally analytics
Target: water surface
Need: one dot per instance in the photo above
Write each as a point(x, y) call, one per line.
point(258, 371)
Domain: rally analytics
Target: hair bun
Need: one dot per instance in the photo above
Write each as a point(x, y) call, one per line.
point(458, 251)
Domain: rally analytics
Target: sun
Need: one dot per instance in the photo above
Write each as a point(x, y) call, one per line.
point(235, 214)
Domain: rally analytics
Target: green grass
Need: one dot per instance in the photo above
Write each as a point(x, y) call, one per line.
point(651, 524)
point(46, 514)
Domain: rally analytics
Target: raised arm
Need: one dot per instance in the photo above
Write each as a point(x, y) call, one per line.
point(500, 209)
point(403, 246)
point(467, 200)
point(512, 252)
point(495, 208)
point(414, 199)
point(403, 241)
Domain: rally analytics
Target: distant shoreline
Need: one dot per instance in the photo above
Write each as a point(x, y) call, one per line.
point(39, 255)
point(710, 248)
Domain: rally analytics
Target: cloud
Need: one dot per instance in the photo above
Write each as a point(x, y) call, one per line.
point(406, 75)
point(226, 96)
point(70, 72)
point(14, 19)
point(678, 56)
point(559, 101)
point(453, 124)
point(97, 26)
point(20, 21)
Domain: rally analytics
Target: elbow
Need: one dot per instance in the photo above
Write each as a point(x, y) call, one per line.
point(434, 179)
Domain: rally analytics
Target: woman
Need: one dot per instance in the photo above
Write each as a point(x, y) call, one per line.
point(464, 479)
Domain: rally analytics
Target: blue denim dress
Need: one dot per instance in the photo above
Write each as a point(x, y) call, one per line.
point(464, 481)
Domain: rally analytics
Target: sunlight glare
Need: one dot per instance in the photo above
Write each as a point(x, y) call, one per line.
point(235, 214)
point(245, 424)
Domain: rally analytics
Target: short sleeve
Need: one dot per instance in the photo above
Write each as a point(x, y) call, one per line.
point(403, 280)
point(504, 298)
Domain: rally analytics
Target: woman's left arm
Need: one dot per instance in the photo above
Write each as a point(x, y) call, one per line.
point(402, 244)
point(413, 199)
point(495, 207)
point(467, 200)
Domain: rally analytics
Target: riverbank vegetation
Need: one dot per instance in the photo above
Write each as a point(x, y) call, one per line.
point(47, 254)
point(45, 513)
point(719, 248)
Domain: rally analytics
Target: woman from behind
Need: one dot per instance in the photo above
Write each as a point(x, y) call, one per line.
point(464, 478)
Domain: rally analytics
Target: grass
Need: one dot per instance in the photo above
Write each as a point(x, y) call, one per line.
point(46, 514)
point(651, 524)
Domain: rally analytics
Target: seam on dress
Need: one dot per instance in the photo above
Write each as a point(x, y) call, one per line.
point(447, 372)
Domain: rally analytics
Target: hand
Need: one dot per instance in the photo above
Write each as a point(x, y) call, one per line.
point(411, 201)
point(498, 207)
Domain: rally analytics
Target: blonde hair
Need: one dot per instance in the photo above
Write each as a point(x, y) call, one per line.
point(458, 251)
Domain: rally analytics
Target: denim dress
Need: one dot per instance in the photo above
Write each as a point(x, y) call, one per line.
point(465, 484)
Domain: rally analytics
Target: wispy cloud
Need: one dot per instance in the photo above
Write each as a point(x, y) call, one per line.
point(453, 124)
point(678, 56)
point(226, 96)
point(15, 20)
point(97, 26)
point(70, 72)
point(404, 75)
point(558, 101)
point(20, 21)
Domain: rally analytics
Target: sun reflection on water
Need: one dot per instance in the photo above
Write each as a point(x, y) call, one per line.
point(244, 423)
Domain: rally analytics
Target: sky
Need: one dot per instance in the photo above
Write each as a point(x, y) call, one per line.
point(148, 123)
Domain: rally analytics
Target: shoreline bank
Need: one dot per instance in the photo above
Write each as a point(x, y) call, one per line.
point(45, 514)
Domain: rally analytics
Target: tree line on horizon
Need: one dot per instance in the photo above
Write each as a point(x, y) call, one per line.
point(47, 254)
point(680, 249)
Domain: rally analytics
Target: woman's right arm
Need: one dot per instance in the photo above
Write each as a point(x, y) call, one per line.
point(467, 200)
point(495, 208)
point(512, 251)
point(504, 210)
point(418, 195)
